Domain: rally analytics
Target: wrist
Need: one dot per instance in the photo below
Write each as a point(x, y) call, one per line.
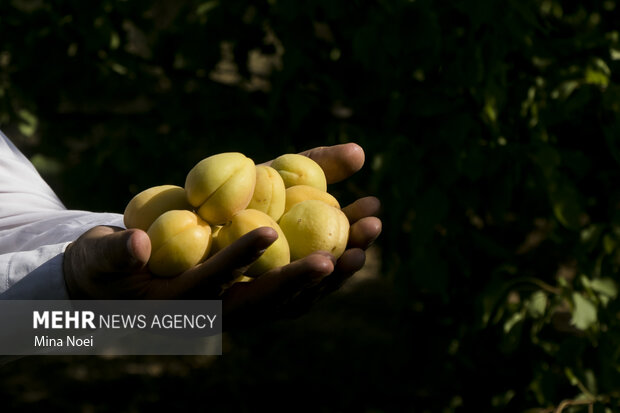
point(69, 274)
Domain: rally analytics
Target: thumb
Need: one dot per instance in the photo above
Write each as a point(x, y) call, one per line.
point(121, 251)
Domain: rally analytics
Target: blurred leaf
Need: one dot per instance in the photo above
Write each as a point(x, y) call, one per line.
point(503, 399)
point(565, 89)
point(118, 68)
point(590, 236)
point(490, 110)
point(571, 376)
point(45, 165)
point(609, 244)
point(115, 41)
point(566, 205)
point(598, 73)
point(29, 122)
point(584, 312)
point(536, 304)
point(513, 321)
point(605, 286)
point(206, 7)
point(590, 381)
point(596, 77)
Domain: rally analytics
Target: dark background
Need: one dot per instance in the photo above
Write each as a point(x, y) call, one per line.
point(492, 138)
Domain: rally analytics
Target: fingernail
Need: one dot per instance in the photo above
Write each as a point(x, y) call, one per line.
point(328, 255)
point(265, 241)
point(133, 261)
point(315, 277)
point(258, 254)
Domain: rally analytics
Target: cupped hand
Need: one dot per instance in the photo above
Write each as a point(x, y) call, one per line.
point(110, 262)
point(290, 290)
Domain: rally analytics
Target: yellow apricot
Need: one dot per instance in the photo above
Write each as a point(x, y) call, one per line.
point(179, 241)
point(145, 207)
point(276, 255)
point(215, 230)
point(298, 193)
point(299, 170)
point(220, 186)
point(313, 225)
point(269, 192)
point(240, 279)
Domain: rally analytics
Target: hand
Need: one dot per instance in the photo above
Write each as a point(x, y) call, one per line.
point(290, 290)
point(109, 262)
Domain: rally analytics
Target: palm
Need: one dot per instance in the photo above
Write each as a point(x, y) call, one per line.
point(108, 262)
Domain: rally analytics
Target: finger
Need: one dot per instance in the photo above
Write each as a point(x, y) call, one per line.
point(349, 263)
point(338, 161)
point(118, 251)
point(261, 297)
point(361, 208)
point(364, 232)
point(139, 245)
point(226, 264)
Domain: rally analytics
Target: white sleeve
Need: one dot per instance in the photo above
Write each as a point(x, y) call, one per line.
point(35, 229)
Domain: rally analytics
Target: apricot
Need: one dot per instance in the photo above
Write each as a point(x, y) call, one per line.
point(269, 192)
point(276, 255)
point(298, 193)
point(145, 207)
point(180, 239)
point(220, 186)
point(313, 225)
point(299, 170)
point(240, 279)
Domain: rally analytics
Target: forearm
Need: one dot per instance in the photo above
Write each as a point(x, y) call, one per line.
point(35, 228)
point(31, 263)
point(33, 275)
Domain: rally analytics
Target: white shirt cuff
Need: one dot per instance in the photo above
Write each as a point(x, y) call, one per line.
point(34, 275)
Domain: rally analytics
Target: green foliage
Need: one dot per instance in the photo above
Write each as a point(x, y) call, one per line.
point(492, 134)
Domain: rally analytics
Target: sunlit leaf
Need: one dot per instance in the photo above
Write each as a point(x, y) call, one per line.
point(206, 7)
point(536, 304)
point(565, 89)
point(28, 122)
point(571, 376)
point(118, 68)
point(490, 110)
point(503, 399)
point(584, 312)
point(590, 236)
point(513, 321)
point(45, 165)
point(598, 73)
point(609, 244)
point(605, 286)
